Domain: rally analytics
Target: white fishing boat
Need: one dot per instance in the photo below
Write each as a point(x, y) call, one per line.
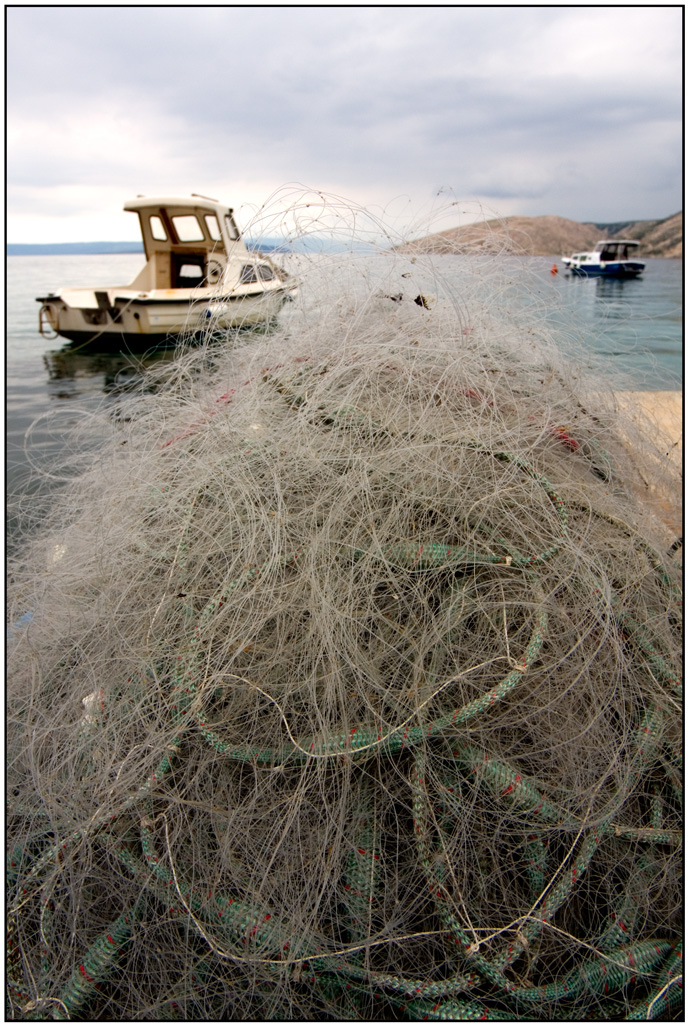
point(198, 275)
point(608, 259)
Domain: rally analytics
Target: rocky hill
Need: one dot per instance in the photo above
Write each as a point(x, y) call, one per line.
point(657, 237)
point(552, 236)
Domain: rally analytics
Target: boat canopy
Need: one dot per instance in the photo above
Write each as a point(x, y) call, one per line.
point(616, 249)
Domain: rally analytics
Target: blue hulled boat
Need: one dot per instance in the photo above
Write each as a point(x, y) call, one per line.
point(608, 259)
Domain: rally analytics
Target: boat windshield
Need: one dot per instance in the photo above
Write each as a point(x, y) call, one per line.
point(165, 228)
point(187, 228)
point(615, 251)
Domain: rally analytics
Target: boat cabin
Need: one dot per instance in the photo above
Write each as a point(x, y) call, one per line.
point(612, 252)
point(187, 241)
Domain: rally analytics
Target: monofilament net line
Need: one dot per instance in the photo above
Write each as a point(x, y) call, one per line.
point(345, 684)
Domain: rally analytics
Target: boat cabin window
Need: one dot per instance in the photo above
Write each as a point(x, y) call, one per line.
point(187, 228)
point(232, 230)
point(266, 273)
point(248, 274)
point(191, 271)
point(213, 227)
point(157, 229)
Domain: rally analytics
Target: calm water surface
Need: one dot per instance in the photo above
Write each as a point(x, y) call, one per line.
point(637, 325)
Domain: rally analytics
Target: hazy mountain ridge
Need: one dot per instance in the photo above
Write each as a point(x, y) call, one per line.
point(552, 236)
point(73, 248)
point(657, 237)
point(310, 243)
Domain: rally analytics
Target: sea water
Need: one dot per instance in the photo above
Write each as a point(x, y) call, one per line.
point(635, 325)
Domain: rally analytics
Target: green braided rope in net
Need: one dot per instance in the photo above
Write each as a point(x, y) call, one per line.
point(358, 698)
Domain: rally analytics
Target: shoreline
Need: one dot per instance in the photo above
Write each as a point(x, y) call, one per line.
point(663, 412)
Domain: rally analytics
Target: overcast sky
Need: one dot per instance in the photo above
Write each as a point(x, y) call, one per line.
point(574, 111)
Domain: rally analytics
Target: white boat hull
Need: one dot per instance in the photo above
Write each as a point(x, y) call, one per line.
point(127, 319)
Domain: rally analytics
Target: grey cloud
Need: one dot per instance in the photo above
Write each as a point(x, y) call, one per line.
point(354, 97)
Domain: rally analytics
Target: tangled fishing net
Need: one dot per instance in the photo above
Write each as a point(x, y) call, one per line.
point(345, 685)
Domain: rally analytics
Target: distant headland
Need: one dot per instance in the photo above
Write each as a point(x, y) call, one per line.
point(312, 244)
point(72, 248)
